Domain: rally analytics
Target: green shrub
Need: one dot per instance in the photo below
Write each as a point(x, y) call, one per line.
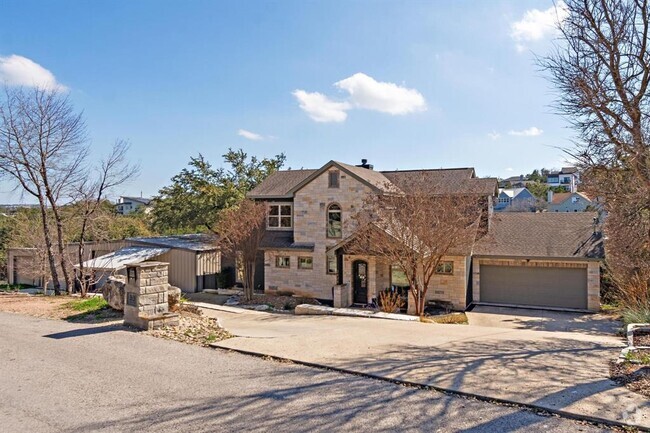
point(636, 315)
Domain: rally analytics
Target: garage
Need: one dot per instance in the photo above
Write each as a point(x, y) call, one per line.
point(543, 260)
point(553, 287)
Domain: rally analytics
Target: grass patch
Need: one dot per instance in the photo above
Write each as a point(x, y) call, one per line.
point(448, 319)
point(91, 310)
point(638, 357)
point(87, 305)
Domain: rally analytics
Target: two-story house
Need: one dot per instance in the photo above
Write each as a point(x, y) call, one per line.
point(309, 214)
point(567, 178)
point(515, 199)
point(126, 205)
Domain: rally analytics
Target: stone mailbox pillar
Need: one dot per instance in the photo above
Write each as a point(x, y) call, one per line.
point(146, 289)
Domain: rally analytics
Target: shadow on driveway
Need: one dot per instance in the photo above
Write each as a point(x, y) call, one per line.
point(85, 331)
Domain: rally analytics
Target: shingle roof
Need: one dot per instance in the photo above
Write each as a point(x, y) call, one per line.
point(560, 197)
point(282, 240)
point(542, 235)
point(280, 183)
point(445, 180)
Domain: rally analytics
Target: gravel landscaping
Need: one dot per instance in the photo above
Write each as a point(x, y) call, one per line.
point(194, 328)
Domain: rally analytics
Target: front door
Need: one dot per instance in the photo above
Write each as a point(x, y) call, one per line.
point(360, 282)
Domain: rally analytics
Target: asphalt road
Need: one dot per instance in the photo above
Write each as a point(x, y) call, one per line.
point(62, 377)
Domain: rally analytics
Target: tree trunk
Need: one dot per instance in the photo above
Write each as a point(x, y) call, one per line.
point(50, 255)
point(249, 280)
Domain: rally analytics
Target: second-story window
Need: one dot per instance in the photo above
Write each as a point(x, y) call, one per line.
point(279, 216)
point(334, 227)
point(333, 181)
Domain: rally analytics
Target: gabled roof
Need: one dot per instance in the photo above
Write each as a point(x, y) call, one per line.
point(123, 257)
point(191, 242)
point(561, 197)
point(374, 179)
point(568, 170)
point(280, 183)
point(543, 235)
point(283, 184)
point(512, 192)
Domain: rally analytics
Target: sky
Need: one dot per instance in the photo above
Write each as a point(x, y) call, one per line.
point(404, 84)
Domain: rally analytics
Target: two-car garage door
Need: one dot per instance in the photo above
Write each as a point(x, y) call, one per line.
point(534, 286)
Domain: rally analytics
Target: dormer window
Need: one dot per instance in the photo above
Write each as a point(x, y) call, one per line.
point(280, 216)
point(333, 179)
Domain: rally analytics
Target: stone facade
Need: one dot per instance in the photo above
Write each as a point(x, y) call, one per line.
point(310, 226)
point(592, 267)
point(146, 305)
point(310, 206)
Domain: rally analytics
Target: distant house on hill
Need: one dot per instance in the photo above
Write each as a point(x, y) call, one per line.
point(515, 199)
point(567, 178)
point(569, 202)
point(125, 205)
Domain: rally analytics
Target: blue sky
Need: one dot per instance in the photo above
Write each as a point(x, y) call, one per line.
point(420, 84)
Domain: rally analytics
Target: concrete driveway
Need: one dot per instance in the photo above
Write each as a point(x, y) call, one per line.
point(543, 320)
point(565, 372)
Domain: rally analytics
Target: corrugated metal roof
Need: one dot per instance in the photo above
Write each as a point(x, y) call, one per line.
point(192, 242)
point(123, 257)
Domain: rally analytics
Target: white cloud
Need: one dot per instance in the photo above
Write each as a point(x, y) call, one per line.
point(321, 108)
point(536, 25)
point(20, 71)
point(533, 131)
point(494, 136)
point(364, 92)
point(250, 135)
point(370, 94)
point(510, 169)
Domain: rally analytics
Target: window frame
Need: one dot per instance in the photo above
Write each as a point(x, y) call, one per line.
point(328, 210)
point(335, 259)
point(445, 263)
point(301, 266)
point(279, 216)
point(277, 262)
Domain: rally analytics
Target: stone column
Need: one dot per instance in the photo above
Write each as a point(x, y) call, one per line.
point(146, 305)
point(593, 286)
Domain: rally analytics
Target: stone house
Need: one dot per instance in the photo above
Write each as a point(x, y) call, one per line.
point(308, 215)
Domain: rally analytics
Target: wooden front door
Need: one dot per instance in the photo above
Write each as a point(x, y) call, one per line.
point(360, 282)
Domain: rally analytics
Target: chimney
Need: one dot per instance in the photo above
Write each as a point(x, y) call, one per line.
point(364, 164)
point(549, 195)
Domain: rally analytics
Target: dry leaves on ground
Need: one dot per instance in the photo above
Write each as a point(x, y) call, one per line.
point(634, 377)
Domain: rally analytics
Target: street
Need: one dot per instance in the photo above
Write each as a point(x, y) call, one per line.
point(64, 377)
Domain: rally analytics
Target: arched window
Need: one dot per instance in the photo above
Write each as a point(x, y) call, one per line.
point(334, 228)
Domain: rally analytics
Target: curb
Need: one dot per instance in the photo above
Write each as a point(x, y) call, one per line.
point(528, 406)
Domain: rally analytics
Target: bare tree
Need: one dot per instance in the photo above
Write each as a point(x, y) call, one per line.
point(601, 67)
point(88, 196)
point(240, 230)
point(42, 147)
point(415, 231)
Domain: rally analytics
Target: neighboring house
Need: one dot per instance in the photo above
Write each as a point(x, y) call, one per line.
point(126, 205)
point(514, 182)
point(539, 259)
point(515, 199)
point(194, 259)
point(569, 202)
point(567, 178)
point(304, 247)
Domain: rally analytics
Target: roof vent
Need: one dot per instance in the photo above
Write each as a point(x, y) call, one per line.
point(364, 164)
